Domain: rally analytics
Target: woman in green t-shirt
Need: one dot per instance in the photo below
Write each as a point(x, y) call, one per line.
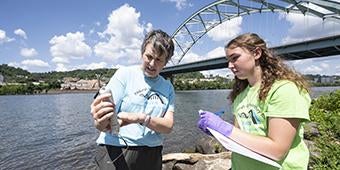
point(270, 103)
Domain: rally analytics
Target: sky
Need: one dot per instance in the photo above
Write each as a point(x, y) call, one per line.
point(64, 35)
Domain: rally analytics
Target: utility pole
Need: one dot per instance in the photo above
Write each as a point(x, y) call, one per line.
point(98, 79)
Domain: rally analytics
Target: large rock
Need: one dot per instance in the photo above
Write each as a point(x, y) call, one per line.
point(311, 131)
point(209, 145)
point(196, 161)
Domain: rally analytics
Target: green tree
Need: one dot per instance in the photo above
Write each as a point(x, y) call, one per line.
point(325, 110)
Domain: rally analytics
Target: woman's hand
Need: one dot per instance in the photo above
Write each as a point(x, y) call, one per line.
point(213, 121)
point(102, 110)
point(125, 118)
point(158, 124)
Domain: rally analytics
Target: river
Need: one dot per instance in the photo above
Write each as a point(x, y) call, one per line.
point(56, 131)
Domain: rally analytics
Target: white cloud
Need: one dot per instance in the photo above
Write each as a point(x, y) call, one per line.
point(223, 32)
point(312, 69)
point(217, 52)
point(101, 35)
point(298, 65)
point(4, 38)
point(148, 27)
point(122, 37)
point(180, 4)
point(124, 22)
point(324, 65)
point(21, 33)
point(227, 30)
point(337, 67)
point(60, 60)
point(2, 35)
point(220, 72)
point(14, 64)
point(119, 66)
point(298, 62)
point(308, 27)
point(35, 63)
point(91, 31)
point(30, 65)
point(191, 57)
point(71, 46)
point(61, 67)
point(91, 66)
point(28, 52)
point(337, 70)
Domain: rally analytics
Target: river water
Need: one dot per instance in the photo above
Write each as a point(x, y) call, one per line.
point(56, 131)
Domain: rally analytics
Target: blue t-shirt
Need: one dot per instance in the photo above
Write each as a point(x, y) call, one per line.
point(134, 92)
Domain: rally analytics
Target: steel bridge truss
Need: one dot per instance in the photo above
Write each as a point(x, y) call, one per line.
point(208, 17)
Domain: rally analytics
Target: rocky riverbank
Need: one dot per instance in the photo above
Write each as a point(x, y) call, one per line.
point(190, 161)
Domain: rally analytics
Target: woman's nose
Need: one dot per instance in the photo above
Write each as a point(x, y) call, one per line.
point(152, 62)
point(230, 65)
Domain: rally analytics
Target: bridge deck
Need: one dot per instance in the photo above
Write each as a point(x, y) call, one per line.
point(322, 47)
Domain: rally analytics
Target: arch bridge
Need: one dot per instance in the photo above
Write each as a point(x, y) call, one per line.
point(214, 14)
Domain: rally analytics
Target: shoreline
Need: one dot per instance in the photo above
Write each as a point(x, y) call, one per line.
point(53, 92)
point(70, 91)
point(57, 91)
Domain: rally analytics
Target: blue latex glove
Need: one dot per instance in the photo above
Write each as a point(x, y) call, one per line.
point(219, 113)
point(213, 121)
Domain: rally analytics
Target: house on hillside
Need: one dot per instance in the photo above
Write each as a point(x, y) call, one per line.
point(87, 84)
point(70, 79)
point(80, 84)
point(69, 83)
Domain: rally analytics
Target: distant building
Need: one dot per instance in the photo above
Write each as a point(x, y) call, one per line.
point(1, 79)
point(207, 79)
point(324, 79)
point(70, 79)
point(87, 84)
point(80, 84)
point(327, 79)
point(230, 77)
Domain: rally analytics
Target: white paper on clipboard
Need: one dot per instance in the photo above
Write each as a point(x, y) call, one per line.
point(235, 147)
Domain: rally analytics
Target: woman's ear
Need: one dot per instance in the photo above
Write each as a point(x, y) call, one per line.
point(257, 53)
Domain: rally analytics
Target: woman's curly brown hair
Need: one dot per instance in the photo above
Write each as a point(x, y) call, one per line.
point(273, 67)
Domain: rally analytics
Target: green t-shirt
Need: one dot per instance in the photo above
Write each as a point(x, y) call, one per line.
point(283, 100)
